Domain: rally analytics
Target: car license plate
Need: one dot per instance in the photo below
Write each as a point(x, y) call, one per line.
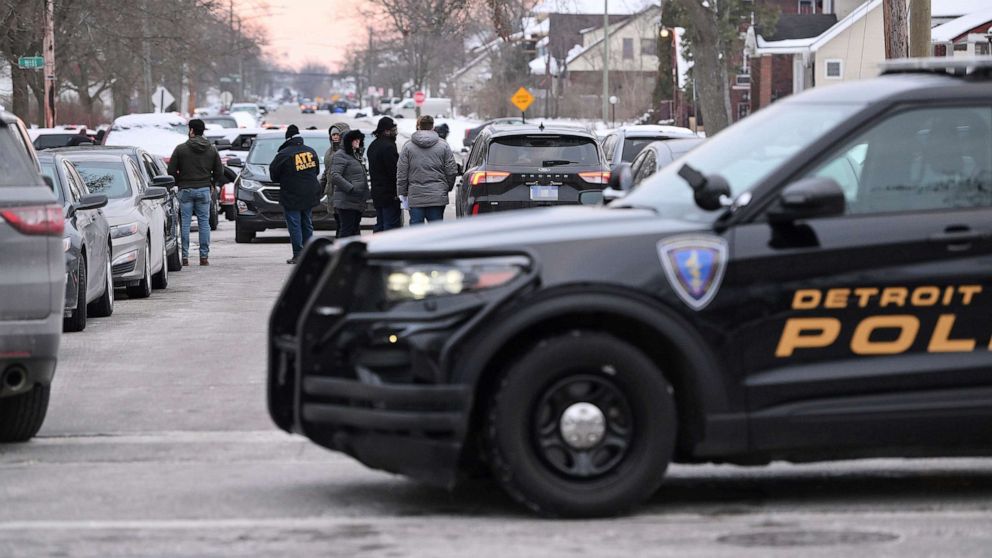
point(544, 193)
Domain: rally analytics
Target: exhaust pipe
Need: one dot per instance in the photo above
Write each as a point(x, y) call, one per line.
point(14, 378)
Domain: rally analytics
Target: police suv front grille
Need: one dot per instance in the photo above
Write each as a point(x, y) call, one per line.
point(270, 194)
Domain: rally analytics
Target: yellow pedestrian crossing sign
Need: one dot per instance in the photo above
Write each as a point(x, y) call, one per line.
point(522, 99)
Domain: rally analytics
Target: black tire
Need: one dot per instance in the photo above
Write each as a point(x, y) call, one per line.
point(526, 447)
point(103, 307)
point(242, 235)
point(175, 260)
point(161, 279)
point(230, 213)
point(21, 416)
point(77, 320)
point(144, 288)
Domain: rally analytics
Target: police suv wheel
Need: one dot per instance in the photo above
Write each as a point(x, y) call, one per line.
point(582, 425)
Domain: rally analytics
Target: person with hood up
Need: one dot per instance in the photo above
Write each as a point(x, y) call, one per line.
point(196, 166)
point(350, 183)
point(335, 132)
point(425, 173)
point(295, 167)
point(382, 169)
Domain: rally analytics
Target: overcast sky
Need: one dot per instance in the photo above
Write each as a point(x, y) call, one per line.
point(303, 30)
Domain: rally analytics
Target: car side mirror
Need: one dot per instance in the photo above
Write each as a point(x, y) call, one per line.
point(155, 193)
point(165, 181)
point(808, 198)
point(91, 201)
point(222, 144)
point(235, 162)
point(591, 197)
point(620, 184)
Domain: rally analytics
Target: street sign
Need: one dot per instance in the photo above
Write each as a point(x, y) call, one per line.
point(226, 98)
point(31, 62)
point(161, 98)
point(522, 99)
point(419, 97)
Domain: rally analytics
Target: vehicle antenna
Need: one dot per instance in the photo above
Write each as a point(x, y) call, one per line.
point(541, 127)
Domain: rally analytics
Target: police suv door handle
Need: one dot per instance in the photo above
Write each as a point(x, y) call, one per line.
point(959, 237)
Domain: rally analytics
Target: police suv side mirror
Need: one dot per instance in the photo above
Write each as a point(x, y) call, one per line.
point(621, 182)
point(807, 198)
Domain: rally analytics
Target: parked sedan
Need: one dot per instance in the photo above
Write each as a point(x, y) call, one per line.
point(153, 171)
point(32, 280)
point(623, 144)
point(137, 220)
point(656, 155)
point(89, 282)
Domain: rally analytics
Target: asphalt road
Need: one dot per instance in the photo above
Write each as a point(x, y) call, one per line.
point(158, 443)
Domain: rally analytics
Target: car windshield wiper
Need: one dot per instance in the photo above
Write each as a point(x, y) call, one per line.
point(558, 163)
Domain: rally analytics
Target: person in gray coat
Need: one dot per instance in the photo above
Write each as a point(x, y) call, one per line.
point(350, 183)
point(425, 173)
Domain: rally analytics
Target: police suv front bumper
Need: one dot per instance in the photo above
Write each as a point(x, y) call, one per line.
point(366, 378)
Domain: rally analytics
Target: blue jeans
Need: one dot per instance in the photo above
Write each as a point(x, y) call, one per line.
point(195, 200)
point(389, 216)
point(300, 226)
point(419, 215)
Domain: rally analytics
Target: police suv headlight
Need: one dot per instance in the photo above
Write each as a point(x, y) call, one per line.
point(251, 185)
point(120, 231)
point(416, 281)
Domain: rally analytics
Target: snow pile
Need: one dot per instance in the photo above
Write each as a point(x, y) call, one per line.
point(149, 120)
point(156, 141)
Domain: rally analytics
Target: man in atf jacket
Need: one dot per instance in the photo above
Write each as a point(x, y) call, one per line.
point(382, 170)
point(196, 167)
point(351, 188)
point(295, 167)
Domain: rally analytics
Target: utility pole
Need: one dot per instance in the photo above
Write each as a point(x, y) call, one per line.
point(146, 55)
point(606, 60)
point(896, 28)
point(241, 65)
point(919, 29)
point(49, 52)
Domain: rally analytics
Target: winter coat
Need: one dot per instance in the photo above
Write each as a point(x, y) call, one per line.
point(426, 170)
point(325, 179)
point(351, 187)
point(382, 169)
point(295, 167)
point(196, 164)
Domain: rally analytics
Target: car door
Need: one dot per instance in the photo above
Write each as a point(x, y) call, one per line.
point(153, 213)
point(609, 149)
point(871, 328)
point(171, 202)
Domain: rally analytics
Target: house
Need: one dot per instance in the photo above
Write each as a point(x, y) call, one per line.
point(967, 35)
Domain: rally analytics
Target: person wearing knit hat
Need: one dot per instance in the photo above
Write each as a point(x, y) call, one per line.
point(335, 133)
point(295, 168)
point(382, 156)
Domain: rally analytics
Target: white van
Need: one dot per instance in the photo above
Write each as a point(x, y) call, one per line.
point(433, 106)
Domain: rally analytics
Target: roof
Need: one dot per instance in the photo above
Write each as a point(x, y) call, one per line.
point(651, 130)
point(580, 51)
point(93, 149)
point(616, 7)
point(957, 27)
point(279, 134)
point(794, 26)
point(538, 129)
point(956, 8)
point(93, 156)
point(812, 44)
point(904, 86)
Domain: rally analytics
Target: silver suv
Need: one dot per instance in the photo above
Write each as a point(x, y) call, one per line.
point(32, 285)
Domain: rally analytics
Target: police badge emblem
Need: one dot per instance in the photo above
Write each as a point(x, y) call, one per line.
point(694, 266)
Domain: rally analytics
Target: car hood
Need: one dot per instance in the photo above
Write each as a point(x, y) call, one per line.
point(120, 211)
point(516, 230)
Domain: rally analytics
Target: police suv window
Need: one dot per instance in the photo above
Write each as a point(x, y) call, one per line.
point(917, 160)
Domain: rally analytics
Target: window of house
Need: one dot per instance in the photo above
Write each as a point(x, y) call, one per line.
point(649, 47)
point(835, 69)
point(806, 7)
point(628, 49)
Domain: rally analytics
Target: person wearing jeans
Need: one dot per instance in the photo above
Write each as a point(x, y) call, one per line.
point(196, 166)
point(430, 214)
point(195, 201)
point(425, 173)
point(295, 168)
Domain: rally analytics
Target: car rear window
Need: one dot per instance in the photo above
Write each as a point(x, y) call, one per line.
point(48, 141)
point(633, 146)
point(109, 179)
point(543, 151)
point(16, 167)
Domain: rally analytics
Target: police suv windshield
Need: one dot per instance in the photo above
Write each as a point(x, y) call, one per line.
point(264, 150)
point(744, 154)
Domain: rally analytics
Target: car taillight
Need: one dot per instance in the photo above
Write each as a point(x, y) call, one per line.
point(487, 177)
point(227, 193)
point(36, 219)
point(597, 177)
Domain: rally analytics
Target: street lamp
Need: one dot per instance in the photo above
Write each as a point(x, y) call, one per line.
point(613, 109)
point(669, 34)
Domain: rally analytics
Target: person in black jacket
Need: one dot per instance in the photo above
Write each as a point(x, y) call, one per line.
point(197, 168)
point(295, 167)
point(382, 156)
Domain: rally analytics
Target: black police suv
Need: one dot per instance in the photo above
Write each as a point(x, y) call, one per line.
point(811, 283)
point(523, 166)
